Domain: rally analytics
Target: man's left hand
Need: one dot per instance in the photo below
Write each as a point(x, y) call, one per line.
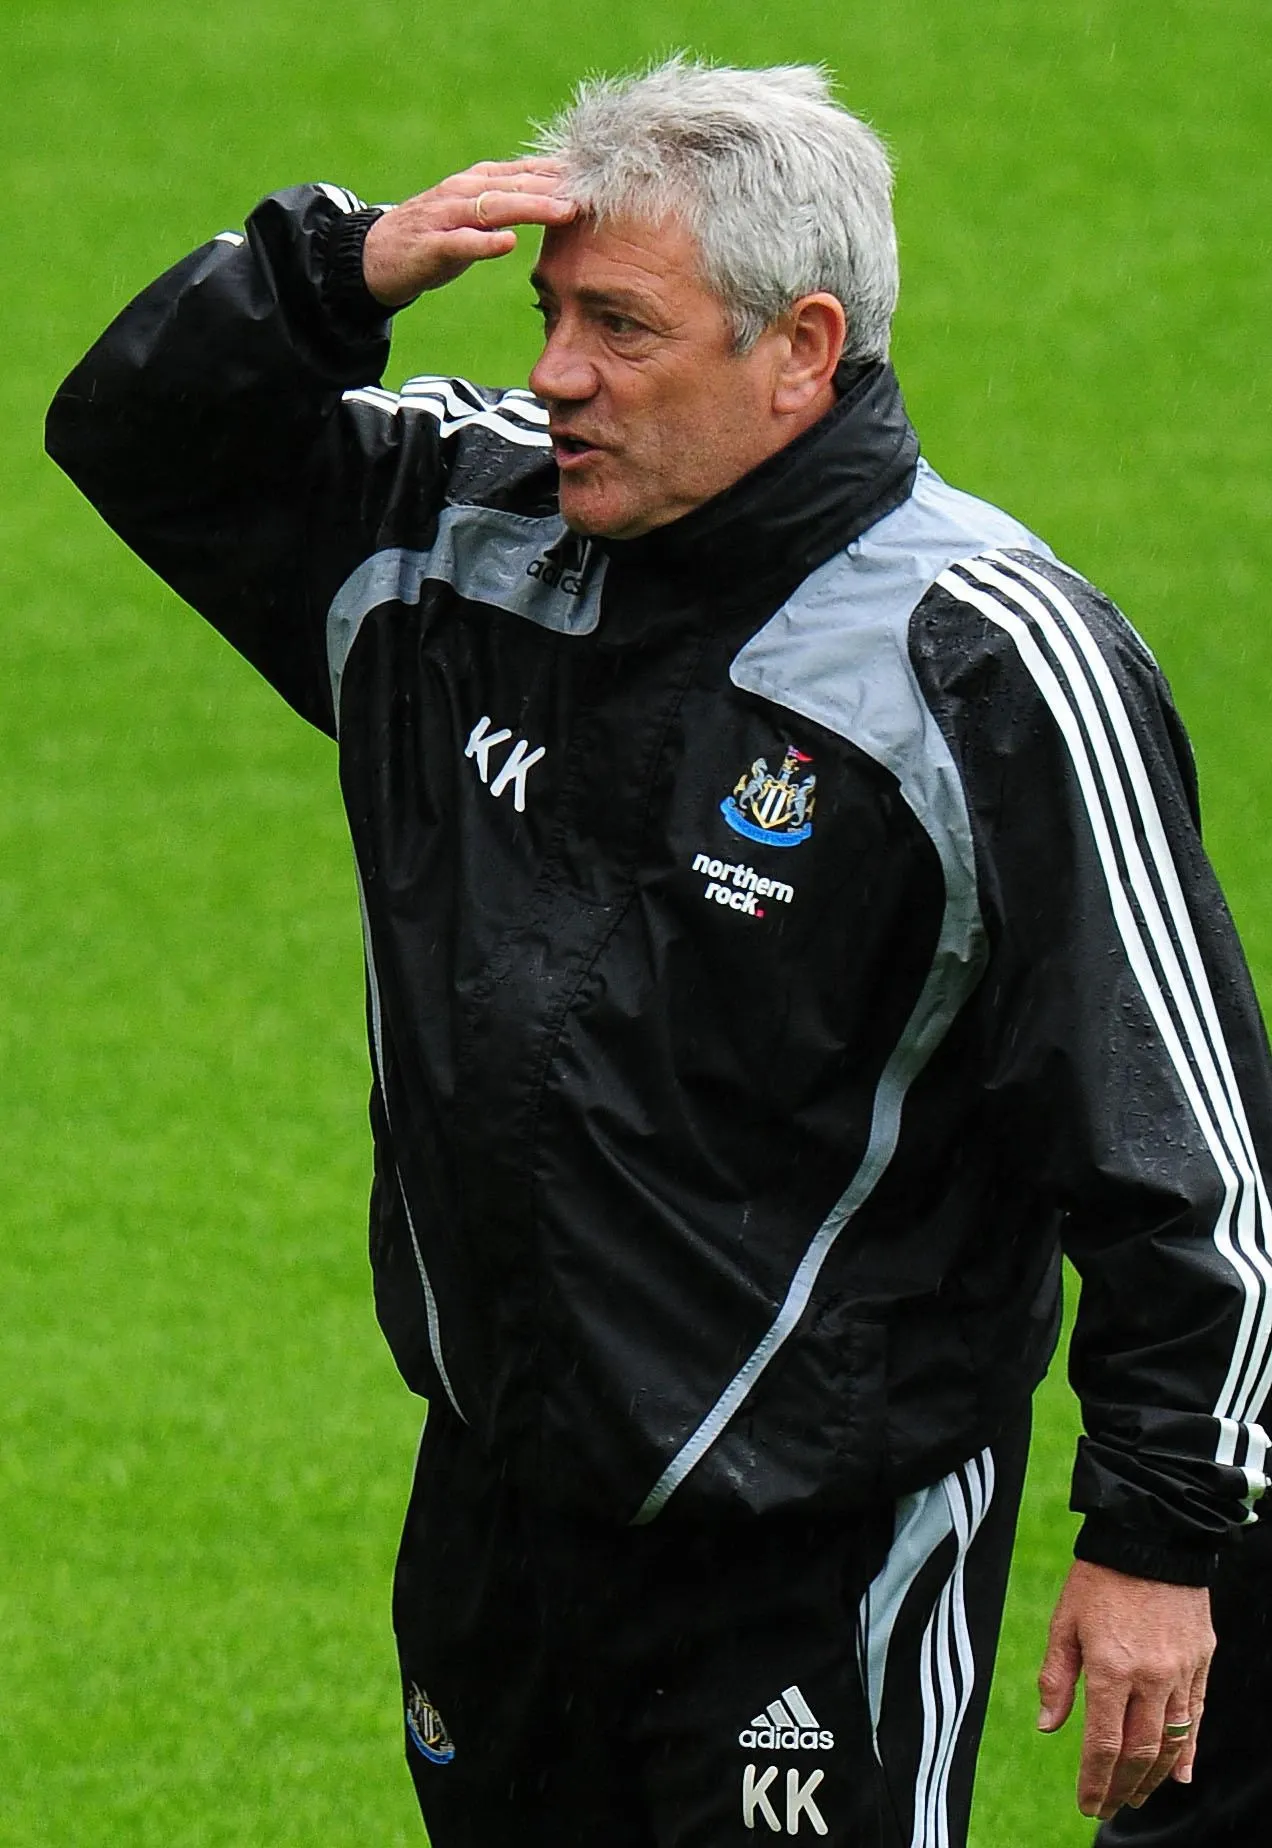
point(1144, 1648)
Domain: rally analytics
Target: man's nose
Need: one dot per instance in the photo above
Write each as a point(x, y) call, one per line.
point(563, 371)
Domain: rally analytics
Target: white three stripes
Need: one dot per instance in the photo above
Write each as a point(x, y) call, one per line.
point(947, 1663)
point(1230, 1106)
point(515, 415)
point(1106, 760)
point(341, 197)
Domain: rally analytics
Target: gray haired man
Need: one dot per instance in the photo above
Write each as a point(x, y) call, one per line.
point(786, 930)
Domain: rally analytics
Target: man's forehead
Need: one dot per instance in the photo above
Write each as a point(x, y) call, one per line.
point(612, 255)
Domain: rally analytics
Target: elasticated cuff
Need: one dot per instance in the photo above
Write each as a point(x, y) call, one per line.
point(1143, 1556)
point(344, 289)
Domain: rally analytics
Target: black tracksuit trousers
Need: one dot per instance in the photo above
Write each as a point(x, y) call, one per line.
point(1229, 1802)
point(569, 1685)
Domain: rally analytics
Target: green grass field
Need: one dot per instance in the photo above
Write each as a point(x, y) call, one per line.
point(204, 1450)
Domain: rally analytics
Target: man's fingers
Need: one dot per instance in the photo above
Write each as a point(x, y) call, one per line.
point(428, 241)
point(497, 210)
point(1058, 1677)
point(528, 163)
point(1125, 1766)
point(490, 210)
point(1102, 1745)
point(471, 185)
point(1183, 1767)
point(1178, 1727)
point(1148, 1753)
point(468, 244)
point(495, 177)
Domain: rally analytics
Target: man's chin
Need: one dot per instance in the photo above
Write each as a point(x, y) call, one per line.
point(595, 515)
point(588, 514)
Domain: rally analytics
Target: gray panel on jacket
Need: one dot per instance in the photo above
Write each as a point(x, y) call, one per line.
point(838, 652)
point(487, 556)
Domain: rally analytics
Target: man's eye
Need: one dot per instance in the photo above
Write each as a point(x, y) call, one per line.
point(622, 324)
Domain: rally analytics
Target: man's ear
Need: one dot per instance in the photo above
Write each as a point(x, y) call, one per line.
point(815, 328)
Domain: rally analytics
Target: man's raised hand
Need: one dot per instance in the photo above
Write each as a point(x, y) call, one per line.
point(434, 237)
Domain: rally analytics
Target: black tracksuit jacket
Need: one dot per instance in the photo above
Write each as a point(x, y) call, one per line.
point(786, 932)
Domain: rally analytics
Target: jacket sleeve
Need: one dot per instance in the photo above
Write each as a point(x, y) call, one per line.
point(209, 427)
point(1127, 1059)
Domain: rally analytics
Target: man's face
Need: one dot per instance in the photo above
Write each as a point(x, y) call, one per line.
point(652, 412)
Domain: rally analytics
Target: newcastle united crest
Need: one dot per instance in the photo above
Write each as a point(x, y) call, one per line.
point(426, 1728)
point(774, 808)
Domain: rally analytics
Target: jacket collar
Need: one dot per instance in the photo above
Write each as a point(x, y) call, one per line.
point(801, 505)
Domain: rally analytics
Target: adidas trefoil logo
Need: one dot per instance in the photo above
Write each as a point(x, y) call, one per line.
point(787, 1724)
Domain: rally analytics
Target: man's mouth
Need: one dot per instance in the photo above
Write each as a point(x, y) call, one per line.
point(572, 451)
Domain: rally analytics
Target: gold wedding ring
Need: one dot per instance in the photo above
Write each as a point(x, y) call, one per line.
point(1177, 1729)
point(479, 208)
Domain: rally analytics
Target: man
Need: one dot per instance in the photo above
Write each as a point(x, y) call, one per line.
point(786, 926)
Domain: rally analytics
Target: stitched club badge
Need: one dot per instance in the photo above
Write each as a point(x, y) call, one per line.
point(775, 808)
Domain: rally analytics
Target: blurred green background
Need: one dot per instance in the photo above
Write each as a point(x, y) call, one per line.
point(204, 1450)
